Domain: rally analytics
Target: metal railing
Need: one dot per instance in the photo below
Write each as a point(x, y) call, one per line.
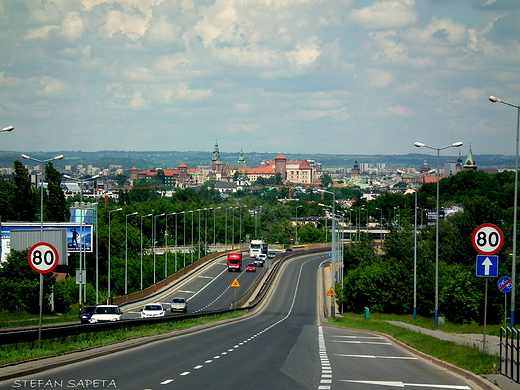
point(510, 353)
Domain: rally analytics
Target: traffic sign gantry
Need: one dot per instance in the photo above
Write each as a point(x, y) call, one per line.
point(487, 239)
point(43, 257)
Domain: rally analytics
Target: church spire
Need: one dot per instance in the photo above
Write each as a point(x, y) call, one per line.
point(470, 164)
point(216, 153)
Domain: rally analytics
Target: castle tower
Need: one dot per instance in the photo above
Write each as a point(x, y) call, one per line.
point(280, 166)
point(470, 164)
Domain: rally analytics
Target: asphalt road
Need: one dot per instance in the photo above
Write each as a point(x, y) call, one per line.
point(282, 347)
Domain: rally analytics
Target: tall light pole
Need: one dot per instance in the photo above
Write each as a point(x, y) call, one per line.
point(10, 128)
point(381, 225)
point(109, 251)
point(184, 238)
point(166, 245)
point(154, 241)
point(296, 224)
point(515, 216)
point(143, 216)
point(334, 250)
point(215, 228)
point(126, 250)
point(421, 145)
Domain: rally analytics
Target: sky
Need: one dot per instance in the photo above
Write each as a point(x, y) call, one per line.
point(280, 76)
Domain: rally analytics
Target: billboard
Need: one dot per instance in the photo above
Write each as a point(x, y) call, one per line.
point(79, 236)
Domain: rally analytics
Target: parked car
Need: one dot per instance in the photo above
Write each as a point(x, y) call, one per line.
point(101, 313)
point(87, 314)
point(179, 304)
point(152, 310)
point(251, 268)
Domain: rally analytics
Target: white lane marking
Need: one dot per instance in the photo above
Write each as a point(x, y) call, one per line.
point(326, 371)
point(357, 337)
point(360, 342)
point(197, 367)
point(167, 381)
point(185, 373)
point(401, 384)
point(205, 277)
point(377, 357)
point(208, 361)
point(186, 291)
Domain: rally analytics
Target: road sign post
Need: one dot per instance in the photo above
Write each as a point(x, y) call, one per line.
point(42, 258)
point(487, 239)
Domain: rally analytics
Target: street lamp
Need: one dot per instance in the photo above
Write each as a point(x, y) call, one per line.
point(421, 145)
point(10, 128)
point(381, 225)
point(143, 216)
point(109, 251)
point(334, 250)
point(154, 242)
point(515, 217)
point(166, 245)
point(215, 229)
point(296, 224)
point(126, 250)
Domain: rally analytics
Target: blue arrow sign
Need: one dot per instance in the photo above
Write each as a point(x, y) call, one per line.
point(487, 266)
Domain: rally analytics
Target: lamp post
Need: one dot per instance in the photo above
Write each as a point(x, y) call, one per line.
point(109, 251)
point(334, 250)
point(126, 251)
point(166, 245)
point(184, 238)
point(515, 216)
point(381, 225)
point(296, 225)
point(10, 128)
point(143, 216)
point(154, 241)
point(215, 229)
point(421, 145)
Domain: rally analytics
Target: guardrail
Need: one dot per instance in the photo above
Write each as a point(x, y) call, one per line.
point(31, 334)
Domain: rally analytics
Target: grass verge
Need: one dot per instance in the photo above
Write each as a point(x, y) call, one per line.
point(13, 353)
point(25, 319)
point(468, 358)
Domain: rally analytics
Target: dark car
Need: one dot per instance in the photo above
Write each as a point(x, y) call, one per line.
point(87, 314)
point(288, 250)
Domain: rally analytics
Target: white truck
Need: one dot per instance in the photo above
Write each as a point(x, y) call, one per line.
point(257, 247)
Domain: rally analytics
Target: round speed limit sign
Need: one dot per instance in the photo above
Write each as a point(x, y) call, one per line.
point(43, 258)
point(487, 239)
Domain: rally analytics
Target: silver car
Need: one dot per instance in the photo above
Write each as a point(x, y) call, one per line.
point(179, 304)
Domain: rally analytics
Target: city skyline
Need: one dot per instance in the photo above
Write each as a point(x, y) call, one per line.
point(335, 77)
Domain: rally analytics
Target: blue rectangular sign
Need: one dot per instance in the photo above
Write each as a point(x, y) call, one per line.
point(487, 266)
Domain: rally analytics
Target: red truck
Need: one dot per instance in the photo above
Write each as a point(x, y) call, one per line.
point(234, 262)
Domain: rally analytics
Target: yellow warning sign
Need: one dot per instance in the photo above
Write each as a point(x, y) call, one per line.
point(235, 283)
point(331, 293)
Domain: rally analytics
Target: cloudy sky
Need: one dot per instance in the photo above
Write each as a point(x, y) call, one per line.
point(281, 76)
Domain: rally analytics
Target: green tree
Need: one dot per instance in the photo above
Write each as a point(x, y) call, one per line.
point(56, 208)
point(20, 285)
point(24, 201)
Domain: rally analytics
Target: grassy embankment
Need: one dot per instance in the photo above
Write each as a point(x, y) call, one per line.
point(469, 358)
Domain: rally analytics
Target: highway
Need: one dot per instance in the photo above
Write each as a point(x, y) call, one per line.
point(209, 289)
point(283, 346)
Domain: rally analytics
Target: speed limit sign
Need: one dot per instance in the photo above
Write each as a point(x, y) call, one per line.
point(43, 257)
point(487, 239)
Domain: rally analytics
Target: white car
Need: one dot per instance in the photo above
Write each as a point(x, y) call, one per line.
point(260, 260)
point(106, 313)
point(152, 310)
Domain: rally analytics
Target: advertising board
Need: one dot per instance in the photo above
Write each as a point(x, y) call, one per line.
point(78, 235)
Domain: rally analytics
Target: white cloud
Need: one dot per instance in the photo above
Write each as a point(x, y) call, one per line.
point(382, 15)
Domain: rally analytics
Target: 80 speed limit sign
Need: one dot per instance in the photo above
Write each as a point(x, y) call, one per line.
point(43, 258)
point(487, 239)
